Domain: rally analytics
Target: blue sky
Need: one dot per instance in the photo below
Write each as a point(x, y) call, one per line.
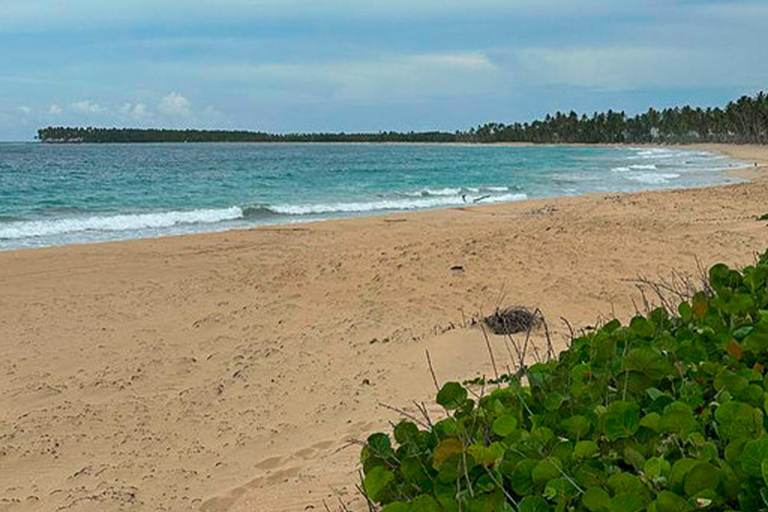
point(366, 65)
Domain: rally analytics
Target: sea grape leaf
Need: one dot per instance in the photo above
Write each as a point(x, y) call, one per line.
point(413, 471)
point(678, 419)
point(425, 503)
point(504, 425)
point(596, 499)
point(679, 470)
point(628, 503)
point(533, 504)
point(701, 477)
point(625, 483)
point(483, 454)
point(651, 421)
point(446, 448)
point(585, 450)
point(753, 455)
point(554, 401)
point(560, 490)
point(455, 466)
point(641, 327)
point(397, 506)
point(622, 419)
point(657, 470)
point(447, 428)
point(764, 470)
point(406, 432)
point(376, 482)
point(757, 340)
point(521, 480)
point(731, 381)
point(738, 420)
point(648, 362)
point(700, 305)
point(577, 426)
point(667, 501)
point(546, 470)
point(380, 446)
point(452, 395)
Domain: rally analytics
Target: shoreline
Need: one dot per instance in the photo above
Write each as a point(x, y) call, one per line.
point(228, 371)
point(746, 153)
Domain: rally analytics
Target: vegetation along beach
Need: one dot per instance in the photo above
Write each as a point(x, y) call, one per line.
point(383, 256)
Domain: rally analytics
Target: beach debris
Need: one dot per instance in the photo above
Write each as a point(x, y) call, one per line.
point(544, 210)
point(512, 320)
point(457, 268)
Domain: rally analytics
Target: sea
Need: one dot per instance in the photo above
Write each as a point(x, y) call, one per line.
point(71, 194)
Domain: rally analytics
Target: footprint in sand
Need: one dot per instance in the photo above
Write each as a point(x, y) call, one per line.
point(270, 463)
point(312, 451)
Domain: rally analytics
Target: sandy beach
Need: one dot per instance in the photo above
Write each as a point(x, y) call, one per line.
point(230, 371)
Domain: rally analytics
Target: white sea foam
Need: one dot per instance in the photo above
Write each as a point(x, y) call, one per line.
point(389, 204)
point(454, 191)
point(654, 178)
point(448, 191)
point(127, 222)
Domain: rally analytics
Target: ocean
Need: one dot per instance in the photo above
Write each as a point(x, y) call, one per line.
point(70, 194)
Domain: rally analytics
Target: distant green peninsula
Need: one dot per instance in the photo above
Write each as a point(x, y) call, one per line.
point(742, 121)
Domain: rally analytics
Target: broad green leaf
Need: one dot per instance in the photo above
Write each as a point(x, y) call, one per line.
point(753, 455)
point(701, 477)
point(452, 396)
point(628, 503)
point(738, 420)
point(648, 362)
point(577, 427)
point(504, 425)
point(534, 504)
point(678, 419)
point(406, 432)
point(397, 506)
point(596, 499)
point(425, 503)
point(546, 470)
point(446, 448)
point(585, 450)
point(679, 470)
point(376, 483)
point(667, 501)
point(622, 419)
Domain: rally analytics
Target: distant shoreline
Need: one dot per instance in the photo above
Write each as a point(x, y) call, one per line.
point(738, 122)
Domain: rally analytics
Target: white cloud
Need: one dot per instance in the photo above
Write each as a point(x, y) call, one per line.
point(55, 110)
point(175, 105)
point(87, 107)
point(138, 110)
point(24, 109)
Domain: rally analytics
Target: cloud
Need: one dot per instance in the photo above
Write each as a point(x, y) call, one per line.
point(24, 109)
point(55, 110)
point(175, 105)
point(137, 111)
point(87, 107)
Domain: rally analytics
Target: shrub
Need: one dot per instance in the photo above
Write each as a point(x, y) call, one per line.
point(666, 414)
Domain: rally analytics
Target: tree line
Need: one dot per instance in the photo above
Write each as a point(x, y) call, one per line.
point(741, 121)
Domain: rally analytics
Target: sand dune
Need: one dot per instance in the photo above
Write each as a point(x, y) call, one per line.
point(229, 371)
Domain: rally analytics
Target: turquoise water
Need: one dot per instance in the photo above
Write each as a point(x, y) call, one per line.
point(64, 194)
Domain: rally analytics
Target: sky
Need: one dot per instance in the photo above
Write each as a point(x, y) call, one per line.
point(366, 65)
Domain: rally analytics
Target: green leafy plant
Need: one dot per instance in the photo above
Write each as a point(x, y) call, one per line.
point(667, 414)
